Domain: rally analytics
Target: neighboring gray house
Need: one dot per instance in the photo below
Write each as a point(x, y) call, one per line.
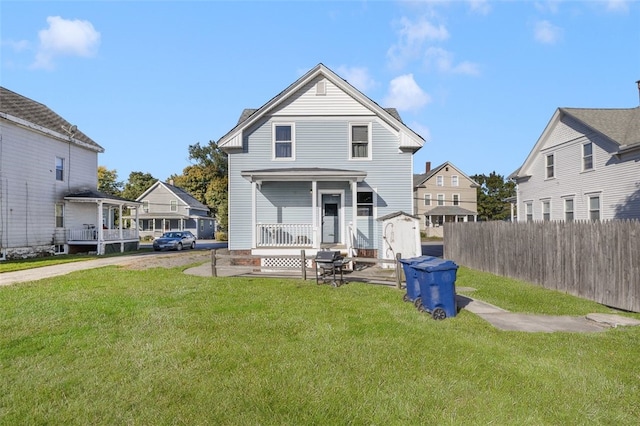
point(584, 166)
point(49, 202)
point(444, 194)
point(166, 207)
point(314, 167)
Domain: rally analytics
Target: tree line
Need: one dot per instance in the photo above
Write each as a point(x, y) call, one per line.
point(205, 179)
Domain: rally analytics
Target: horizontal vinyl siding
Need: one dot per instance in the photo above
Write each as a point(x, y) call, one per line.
point(160, 202)
point(616, 180)
point(29, 189)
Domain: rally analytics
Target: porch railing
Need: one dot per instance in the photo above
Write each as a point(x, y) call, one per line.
point(284, 235)
point(91, 234)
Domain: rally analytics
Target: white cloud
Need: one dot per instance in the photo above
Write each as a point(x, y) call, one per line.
point(17, 46)
point(618, 6)
point(547, 33)
point(65, 38)
point(405, 94)
point(412, 36)
point(358, 77)
point(442, 60)
point(480, 6)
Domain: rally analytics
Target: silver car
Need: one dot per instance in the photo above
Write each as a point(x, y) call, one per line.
point(175, 240)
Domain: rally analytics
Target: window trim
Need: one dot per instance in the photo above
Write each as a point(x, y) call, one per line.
point(429, 201)
point(454, 201)
point(276, 124)
point(145, 206)
point(440, 180)
point(455, 181)
point(584, 157)
point(61, 217)
point(60, 169)
point(369, 143)
point(545, 205)
point(567, 211)
point(370, 205)
point(590, 210)
point(440, 198)
point(528, 211)
point(173, 205)
point(550, 169)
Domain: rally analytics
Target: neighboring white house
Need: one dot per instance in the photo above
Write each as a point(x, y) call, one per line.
point(49, 202)
point(444, 194)
point(166, 207)
point(315, 167)
point(584, 166)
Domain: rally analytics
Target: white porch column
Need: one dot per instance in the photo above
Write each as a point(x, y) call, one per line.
point(254, 192)
point(314, 214)
point(354, 219)
point(100, 225)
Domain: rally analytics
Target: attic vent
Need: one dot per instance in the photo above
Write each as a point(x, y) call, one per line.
point(321, 88)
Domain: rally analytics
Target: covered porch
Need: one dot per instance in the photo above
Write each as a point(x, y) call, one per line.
point(98, 223)
point(304, 208)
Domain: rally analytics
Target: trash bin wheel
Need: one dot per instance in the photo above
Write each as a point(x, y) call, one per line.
point(405, 298)
point(438, 314)
point(334, 284)
point(421, 308)
point(418, 302)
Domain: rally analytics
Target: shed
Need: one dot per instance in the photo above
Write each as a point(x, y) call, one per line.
point(400, 234)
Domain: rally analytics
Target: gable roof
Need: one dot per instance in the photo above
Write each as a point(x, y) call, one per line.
point(422, 178)
point(233, 139)
point(180, 193)
point(29, 113)
point(619, 125)
point(93, 195)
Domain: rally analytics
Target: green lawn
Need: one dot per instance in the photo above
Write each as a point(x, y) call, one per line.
point(115, 346)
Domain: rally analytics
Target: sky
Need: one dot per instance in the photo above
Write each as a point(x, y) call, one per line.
point(479, 80)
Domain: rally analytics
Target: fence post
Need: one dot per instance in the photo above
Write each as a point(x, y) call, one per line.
point(398, 271)
point(303, 262)
point(214, 272)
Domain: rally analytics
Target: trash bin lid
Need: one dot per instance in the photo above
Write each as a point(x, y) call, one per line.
point(435, 264)
point(415, 260)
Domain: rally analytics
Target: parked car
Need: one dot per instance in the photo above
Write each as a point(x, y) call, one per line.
point(175, 240)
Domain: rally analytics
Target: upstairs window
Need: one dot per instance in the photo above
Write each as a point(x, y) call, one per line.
point(283, 142)
point(439, 180)
point(174, 205)
point(454, 180)
point(587, 156)
point(568, 210)
point(427, 199)
point(549, 166)
point(59, 168)
point(145, 206)
point(456, 199)
point(359, 134)
point(365, 203)
point(441, 199)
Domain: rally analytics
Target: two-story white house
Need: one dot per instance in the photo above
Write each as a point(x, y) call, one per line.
point(166, 207)
point(49, 202)
point(315, 167)
point(584, 166)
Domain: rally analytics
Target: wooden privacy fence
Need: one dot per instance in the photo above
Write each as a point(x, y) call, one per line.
point(599, 261)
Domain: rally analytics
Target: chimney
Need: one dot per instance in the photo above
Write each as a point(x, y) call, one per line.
point(171, 182)
point(427, 167)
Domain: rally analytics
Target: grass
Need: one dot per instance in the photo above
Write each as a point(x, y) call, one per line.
point(116, 346)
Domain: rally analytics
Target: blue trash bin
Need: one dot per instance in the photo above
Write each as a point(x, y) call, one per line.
point(411, 278)
point(436, 279)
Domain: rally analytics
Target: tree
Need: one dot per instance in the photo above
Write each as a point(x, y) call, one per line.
point(138, 183)
point(492, 193)
point(108, 181)
point(206, 179)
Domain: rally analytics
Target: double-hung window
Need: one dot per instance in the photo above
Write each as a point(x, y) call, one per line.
point(594, 207)
point(568, 209)
point(59, 168)
point(283, 141)
point(455, 198)
point(365, 203)
point(549, 166)
point(441, 199)
point(174, 205)
point(59, 212)
point(546, 210)
point(145, 206)
point(587, 156)
point(360, 144)
point(528, 209)
point(427, 199)
point(454, 180)
point(439, 180)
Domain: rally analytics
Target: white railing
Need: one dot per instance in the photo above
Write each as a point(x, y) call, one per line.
point(284, 235)
point(91, 234)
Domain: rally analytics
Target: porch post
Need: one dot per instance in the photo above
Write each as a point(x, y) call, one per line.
point(120, 229)
point(314, 214)
point(100, 225)
point(254, 191)
point(354, 218)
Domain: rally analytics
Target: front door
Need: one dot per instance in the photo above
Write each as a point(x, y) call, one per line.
point(330, 218)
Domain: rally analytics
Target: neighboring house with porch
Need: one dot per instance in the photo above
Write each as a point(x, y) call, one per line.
point(166, 207)
point(49, 202)
point(444, 194)
point(584, 166)
point(314, 168)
